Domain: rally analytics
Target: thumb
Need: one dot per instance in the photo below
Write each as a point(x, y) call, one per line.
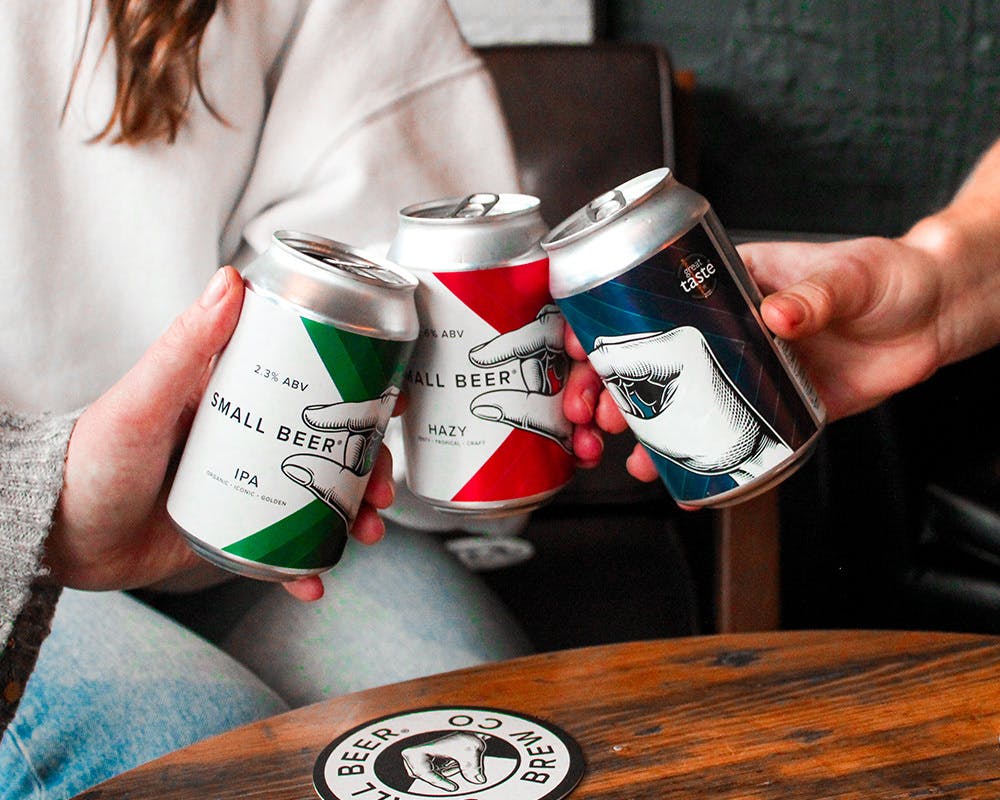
point(154, 394)
point(837, 292)
point(819, 283)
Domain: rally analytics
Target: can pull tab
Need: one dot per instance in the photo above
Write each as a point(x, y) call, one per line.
point(605, 205)
point(475, 205)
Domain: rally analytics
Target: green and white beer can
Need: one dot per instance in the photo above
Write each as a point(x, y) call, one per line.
point(286, 434)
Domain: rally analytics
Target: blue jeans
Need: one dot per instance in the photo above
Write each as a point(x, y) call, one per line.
point(400, 609)
point(118, 684)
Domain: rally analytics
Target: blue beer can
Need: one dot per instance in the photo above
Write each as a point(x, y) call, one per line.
point(653, 288)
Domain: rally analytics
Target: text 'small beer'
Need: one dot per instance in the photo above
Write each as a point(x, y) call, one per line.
point(668, 313)
point(483, 430)
point(287, 432)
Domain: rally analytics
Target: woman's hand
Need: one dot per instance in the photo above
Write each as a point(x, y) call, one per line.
point(111, 528)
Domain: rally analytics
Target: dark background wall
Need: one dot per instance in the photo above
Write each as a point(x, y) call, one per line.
point(846, 117)
point(859, 117)
point(836, 117)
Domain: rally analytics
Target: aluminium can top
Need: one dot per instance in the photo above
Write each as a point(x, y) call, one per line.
point(466, 233)
point(336, 284)
point(619, 229)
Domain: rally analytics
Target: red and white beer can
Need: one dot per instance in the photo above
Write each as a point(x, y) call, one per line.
point(484, 432)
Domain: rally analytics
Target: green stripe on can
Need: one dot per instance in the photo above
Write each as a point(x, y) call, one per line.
point(311, 538)
point(360, 366)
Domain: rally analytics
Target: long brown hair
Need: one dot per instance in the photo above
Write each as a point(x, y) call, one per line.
point(157, 45)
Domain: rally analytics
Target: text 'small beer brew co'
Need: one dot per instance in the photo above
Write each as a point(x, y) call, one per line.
point(287, 432)
point(484, 433)
point(669, 315)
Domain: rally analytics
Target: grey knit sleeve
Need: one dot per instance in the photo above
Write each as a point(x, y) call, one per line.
point(32, 453)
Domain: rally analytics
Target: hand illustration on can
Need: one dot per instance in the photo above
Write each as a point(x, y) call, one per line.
point(682, 405)
point(539, 349)
point(339, 479)
point(454, 753)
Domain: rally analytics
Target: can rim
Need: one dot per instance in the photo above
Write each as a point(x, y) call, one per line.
point(508, 205)
point(344, 260)
point(606, 208)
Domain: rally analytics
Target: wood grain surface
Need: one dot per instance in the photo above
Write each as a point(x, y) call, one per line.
point(762, 716)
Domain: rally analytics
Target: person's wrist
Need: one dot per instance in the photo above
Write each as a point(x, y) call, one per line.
point(963, 247)
point(944, 245)
point(941, 238)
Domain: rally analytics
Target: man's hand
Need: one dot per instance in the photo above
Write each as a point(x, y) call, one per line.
point(864, 313)
point(869, 316)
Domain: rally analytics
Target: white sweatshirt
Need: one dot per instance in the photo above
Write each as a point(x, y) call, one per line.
point(338, 113)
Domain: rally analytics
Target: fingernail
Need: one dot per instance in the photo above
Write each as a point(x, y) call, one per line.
point(791, 308)
point(215, 290)
point(796, 312)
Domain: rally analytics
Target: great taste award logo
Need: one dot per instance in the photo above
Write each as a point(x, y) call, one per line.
point(472, 753)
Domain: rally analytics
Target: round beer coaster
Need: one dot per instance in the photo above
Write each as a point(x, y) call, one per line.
point(481, 753)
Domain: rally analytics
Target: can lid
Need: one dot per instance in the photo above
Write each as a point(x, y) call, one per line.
point(619, 229)
point(344, 261)
point(605, 208)
point(486, 206)
point(337, 284)
point(471, 232)
point(475, 205)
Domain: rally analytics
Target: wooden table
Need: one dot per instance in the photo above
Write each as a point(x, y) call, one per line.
point(786, 715)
